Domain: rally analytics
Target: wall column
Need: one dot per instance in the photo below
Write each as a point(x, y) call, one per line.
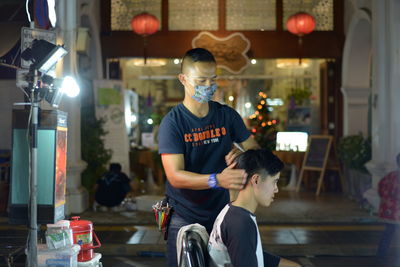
point(386, 93)
point(355, 105)
point(77, 196)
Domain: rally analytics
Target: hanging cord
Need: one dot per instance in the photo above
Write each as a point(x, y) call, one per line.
point(27, 10)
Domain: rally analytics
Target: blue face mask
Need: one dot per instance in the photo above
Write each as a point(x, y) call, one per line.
point(204, 93)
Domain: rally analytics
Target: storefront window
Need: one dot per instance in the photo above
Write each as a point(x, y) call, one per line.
point(292, 91)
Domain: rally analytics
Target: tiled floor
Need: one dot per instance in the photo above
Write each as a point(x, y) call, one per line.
point(326, 231)
point(310, 245)
point(282, 235)
point(324, 261)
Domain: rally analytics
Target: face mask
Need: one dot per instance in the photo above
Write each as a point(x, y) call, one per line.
point(204, 93)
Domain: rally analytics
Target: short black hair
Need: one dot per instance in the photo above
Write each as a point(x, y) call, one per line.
point(115, 167)
point(198, 55)
point(259, 161)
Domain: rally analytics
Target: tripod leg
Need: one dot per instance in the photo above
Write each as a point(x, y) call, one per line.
point(320, 180)
point(300, 178)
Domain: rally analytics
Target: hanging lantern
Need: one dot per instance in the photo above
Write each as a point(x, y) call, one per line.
point(145, 24)
point(300, 24)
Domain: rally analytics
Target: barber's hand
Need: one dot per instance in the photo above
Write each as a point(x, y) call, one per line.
point(232, 155)
point(231, 178)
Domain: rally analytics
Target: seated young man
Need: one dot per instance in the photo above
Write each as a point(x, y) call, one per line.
point(235, 239)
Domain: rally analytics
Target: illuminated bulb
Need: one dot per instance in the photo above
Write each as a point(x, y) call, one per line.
point(150, 121)
point(262, 102)
point(133, 118)
point(274, 121)
point(254, 130)
point(269, 123)
point(231, 98)
point(247, 105)
point(70, 87)
point(176, 61)
point(253, 61)
point(263, 124)
point(257, 112)
point(259, 107)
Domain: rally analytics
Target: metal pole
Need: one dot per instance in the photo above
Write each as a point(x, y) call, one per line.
point(32, 246)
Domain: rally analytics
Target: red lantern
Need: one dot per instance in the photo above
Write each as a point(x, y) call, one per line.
point(145, 24)
point(301, 23)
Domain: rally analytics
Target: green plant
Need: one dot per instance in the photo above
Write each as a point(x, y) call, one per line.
point(354, 151)
point(300, 95)
point(93, 150)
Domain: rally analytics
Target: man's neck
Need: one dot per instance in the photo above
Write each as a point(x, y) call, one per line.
point(200, 110)
point(246, 200)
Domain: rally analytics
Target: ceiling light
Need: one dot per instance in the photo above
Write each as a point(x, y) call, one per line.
point(231, 98)
point(253, 61)
point(292, 63)
point(247, 105)
point(150, 62)
point(176, 61)
point(133, 118)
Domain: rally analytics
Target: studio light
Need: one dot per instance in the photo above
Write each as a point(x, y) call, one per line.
point(56, 88)
point(43, 54)
point(70, 87)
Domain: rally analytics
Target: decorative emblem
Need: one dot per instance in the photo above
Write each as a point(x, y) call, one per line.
point(229, 52)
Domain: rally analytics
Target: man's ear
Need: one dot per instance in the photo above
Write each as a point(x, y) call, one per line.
point(182, 78)
point(255, 179)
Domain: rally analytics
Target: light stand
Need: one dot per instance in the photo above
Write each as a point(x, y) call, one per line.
point(32, 245)
point(44, 56)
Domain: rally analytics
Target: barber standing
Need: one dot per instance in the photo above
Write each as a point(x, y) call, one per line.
point(195, 142)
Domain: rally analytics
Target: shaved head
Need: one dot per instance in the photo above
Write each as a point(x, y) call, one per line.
point(195, 55)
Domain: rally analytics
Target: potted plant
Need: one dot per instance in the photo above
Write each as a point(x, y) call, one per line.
point(300, 96)
point(354, 151)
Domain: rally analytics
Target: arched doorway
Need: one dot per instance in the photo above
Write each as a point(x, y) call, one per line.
point(356, 75)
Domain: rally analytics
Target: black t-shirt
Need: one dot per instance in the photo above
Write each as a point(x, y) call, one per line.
point(112, 188)
point(204, 142)
point(235, 241)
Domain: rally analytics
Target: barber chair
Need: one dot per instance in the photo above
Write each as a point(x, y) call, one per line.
point(194, 251)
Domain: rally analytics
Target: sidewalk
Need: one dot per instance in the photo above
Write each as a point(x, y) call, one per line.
point(288, 208)
point(301, 226)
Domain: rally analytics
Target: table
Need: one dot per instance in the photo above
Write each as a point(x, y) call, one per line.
point(295, 159)
point(147, 165)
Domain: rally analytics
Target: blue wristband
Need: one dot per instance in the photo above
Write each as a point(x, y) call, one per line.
point(212, 181)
